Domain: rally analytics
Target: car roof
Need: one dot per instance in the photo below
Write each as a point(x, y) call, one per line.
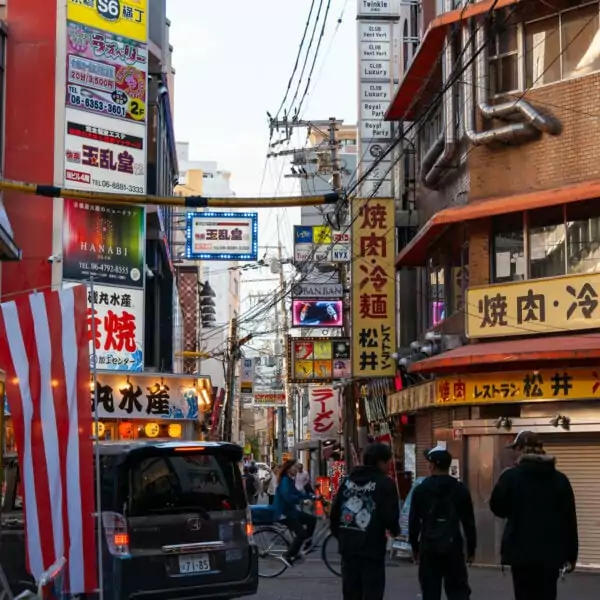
point(123, 447)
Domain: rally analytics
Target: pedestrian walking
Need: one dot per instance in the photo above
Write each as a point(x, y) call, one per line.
point(272, 484)
point(250, 485)
point(439, 506)
point(540, 536)
point(364, 509)
point(303, 480)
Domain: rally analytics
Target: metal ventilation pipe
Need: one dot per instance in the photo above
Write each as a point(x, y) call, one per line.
point(431, 155)
point(534, 120)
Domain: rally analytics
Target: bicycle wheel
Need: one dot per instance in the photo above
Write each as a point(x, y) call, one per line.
point(271, 545)
point(331, 555)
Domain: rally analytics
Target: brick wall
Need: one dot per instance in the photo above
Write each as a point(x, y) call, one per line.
point(479, 252)
point(552, 161)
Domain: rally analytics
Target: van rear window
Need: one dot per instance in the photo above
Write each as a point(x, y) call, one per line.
point(171, 483)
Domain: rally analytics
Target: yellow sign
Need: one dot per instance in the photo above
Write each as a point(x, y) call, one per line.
point(101, 429)
point(318, 360)
point(137, 109)
point(175, 430)
point(533, 307)
point(152, 430)
point(413, 398)
point(519, 386)
point(128, 18)
point(373, 288)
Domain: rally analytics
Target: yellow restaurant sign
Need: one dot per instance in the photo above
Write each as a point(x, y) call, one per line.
point(411, 399)
point(534, 306)
point(519, 386)
point(373, 288)
point(127, 18)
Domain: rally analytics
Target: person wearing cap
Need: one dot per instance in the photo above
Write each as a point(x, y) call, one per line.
point(540, 535)
point(440, 505)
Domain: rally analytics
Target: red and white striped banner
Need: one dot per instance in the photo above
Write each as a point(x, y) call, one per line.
point(44, 351)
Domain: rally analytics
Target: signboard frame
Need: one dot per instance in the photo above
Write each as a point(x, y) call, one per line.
point(291, 362)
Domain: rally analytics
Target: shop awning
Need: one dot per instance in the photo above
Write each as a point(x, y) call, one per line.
point(414, 254)
point(408, 100)
point(8, 249)
point(507, 354)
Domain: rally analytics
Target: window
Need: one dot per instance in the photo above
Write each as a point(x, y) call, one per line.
point(563, 46)
point(583, 237)
point(547, 242)
point(436, 294)
point(504, 59)
point(509, 249)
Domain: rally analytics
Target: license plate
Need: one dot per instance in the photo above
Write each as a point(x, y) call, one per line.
point(193, 563)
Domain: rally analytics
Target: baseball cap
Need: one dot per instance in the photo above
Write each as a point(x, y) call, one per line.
point(526, 439)
point(438, 456)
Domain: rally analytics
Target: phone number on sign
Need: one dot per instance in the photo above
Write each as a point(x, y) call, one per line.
point(103, 268)
point(115, 185)
point(101, 106)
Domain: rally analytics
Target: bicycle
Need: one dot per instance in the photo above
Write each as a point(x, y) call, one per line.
point(277, 539)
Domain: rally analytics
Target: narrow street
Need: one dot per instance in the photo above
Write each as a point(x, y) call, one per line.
point(313, 581)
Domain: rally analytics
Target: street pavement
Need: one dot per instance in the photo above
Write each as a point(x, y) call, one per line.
point(312, 581)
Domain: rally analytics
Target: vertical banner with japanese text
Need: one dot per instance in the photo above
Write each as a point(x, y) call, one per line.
point(373, 288)
point(323, 412)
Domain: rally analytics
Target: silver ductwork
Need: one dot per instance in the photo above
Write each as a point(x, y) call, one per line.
point(535, 122)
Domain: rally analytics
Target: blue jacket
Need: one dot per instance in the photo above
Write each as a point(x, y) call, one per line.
point(287, 498)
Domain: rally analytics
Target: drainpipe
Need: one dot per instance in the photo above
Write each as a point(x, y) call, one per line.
point(431, 156)
point(535, 122)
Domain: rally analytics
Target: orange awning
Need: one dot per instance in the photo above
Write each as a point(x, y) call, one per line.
point(510, 354)
point(405, 104)
point(414, 254)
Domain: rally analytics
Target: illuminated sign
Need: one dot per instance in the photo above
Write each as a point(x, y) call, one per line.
point(318, 360)
point(317, 313)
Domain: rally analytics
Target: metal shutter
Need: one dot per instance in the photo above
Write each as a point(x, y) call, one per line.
point(579, 459)
point(441, 418)
point(423, 439)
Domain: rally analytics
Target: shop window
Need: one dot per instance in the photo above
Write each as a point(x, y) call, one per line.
point(563, 46)
point(508, 255)
point(504, 59)
point(547, 242)
point(583, 237)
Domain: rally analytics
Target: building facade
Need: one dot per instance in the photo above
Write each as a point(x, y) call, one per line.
point(499, 98)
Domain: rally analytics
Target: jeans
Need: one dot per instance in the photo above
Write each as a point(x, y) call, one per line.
point(450, 569)
point(271, 499)
point(535, 583)
point(302, 525)
point(363, 578)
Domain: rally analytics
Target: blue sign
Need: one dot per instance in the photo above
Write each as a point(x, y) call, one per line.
point(303, 234)
point(221, 236)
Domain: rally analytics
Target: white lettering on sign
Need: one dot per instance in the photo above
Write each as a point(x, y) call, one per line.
point(374, 69)
point(375, 92)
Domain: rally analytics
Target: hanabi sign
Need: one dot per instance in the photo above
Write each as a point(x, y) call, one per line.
point(542, 385)
point(374, 289)
point(100, 157)
point(318, 360)
point(146, 396)
point(321, 244)
point(106, 74)
point(534, 307)
point(323, 412)
point(222, 236)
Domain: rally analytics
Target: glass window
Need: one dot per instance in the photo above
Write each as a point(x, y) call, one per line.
point(504, 60)
point(542, 51)
point(508, 249)
point(583, 237)
point(547, 242)
point(437, 295)
point(580, 41)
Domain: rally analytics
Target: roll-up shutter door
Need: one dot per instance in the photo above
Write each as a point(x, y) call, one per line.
point(423, 434)
point(441, 418)
point(579, 459)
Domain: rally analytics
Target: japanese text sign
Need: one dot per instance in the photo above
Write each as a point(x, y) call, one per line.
point(106, 74)
point(126, 18)
point(321, 243)
point(145, 396)
point(373, 288)
point(413, 398)
point(534, 307)
point(269, 399)
point(100, 158)
point(106, 242)
point(221, 236)
point(115, 321)
point(323, 412)
point(318, 360)
point(520, 386)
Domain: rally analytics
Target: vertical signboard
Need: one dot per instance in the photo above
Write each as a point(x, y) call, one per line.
point(376, 27)
point(373, 288)
point(323, 412)
point(105, 151)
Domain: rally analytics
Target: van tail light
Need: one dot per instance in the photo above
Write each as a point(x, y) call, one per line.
point(249, 526)
point(116, 533)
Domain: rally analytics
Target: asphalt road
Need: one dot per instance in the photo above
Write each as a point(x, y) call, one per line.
point(312, 581)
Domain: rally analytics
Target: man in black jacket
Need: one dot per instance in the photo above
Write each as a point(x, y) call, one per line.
point(365, 507)
point(540, 536)
point(440, 504)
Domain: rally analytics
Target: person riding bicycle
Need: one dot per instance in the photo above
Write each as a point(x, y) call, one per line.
point(287, 498)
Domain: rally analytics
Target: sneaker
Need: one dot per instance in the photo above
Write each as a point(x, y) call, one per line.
point(286, 560)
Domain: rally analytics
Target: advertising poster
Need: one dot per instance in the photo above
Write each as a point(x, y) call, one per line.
point(317, 313)
point(373, 288)
point(106, 74)
point(127, 18)
point(103, 155)
point(314, 360)
point(222, 236)
point(106, 242)
point(116, 327)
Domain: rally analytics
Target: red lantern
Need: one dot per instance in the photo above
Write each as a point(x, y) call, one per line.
point(125, 430)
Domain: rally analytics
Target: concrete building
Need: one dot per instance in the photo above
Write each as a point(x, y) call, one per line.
point(506, 256)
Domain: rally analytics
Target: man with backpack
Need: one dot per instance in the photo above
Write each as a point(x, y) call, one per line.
point(440, 505)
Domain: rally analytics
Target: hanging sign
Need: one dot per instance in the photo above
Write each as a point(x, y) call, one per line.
point(323, 412)
point(318, 360)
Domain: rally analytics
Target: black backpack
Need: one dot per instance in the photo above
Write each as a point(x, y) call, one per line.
point(441, 527)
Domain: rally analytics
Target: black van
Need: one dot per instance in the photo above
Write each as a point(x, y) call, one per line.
point(175, 522)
